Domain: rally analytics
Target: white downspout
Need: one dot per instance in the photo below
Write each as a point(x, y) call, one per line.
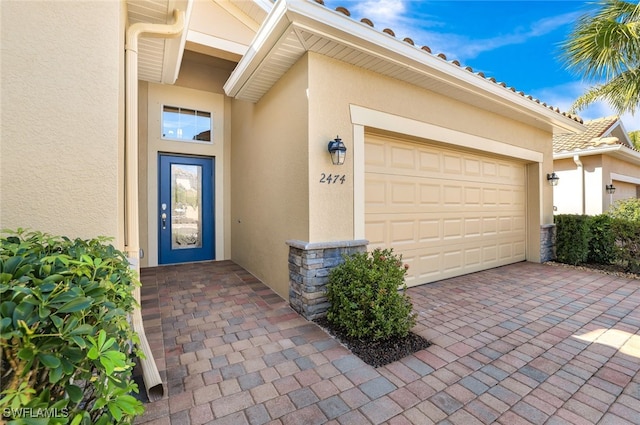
point(576, 159)
point(150, 374)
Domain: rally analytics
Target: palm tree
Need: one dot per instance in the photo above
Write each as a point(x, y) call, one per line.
point(604, 48)
point(634, 136)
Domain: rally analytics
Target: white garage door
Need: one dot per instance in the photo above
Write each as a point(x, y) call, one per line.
point(448, 212)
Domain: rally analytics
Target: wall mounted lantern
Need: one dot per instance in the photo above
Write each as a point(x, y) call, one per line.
point(338, 151)
point(610, 189)
point(553, 179)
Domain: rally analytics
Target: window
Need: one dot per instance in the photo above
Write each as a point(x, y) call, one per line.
point(185, 124)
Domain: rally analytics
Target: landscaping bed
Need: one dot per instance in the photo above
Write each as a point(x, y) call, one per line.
point(377, 353)
point(610, 269)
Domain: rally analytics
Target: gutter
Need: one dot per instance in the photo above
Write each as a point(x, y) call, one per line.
point(576, 159)
point(616, 150)
point(289, 15)
point(150, 374)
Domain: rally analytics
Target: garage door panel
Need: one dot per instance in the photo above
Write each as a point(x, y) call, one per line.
point(473, 256)
point(375, 155)
point(472, 167)
point(428, 264)
point(375, 193)
point(376, 232)
point(396, 228)
point(430, 194)
point(473, 226)
point(428, 230)
point(402, 193)
point(384, 153)
point(383, 191)
point(447, 212)
point(403, 232)
point(428, 161)
point(452, 228)
point(402, 158)
point(453, 165)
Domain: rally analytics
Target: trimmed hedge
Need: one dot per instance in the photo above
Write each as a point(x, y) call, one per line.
point(627, 243)
point(600, 239)
point(64, 333)
point(572, 238)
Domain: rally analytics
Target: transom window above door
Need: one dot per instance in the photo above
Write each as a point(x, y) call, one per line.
point(185, 124)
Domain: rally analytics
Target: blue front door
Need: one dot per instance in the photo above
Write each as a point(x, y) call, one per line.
point(185, 210)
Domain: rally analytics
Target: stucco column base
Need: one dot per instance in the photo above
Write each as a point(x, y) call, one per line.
point(309, 267)
point(547, 242)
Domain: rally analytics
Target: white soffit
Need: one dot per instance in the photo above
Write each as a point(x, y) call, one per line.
point(295, 26)
point(158, 58)
point(257, 10)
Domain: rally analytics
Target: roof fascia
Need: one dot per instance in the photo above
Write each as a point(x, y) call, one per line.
point(324, 22)
point(173, 48)
point(620, 125)
point(216, 43)
point(265, 40)
point(618, 150)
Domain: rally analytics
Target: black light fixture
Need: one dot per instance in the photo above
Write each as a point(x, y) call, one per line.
point(553, 179)
point(338, 151)
point(610, 189)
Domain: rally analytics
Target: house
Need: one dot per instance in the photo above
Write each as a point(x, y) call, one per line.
point(199, 130)
point(596, 168)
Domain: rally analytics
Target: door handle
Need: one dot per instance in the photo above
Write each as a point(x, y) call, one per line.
point(163, 216)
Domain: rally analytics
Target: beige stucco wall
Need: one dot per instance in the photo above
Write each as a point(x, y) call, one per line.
point(589, 183)
point(62, 117)
point(625, 176)
point(153, 97)
point(279, 153)
point(624, 190)
point(334, 86)
point(269, 171)
point(568, 194)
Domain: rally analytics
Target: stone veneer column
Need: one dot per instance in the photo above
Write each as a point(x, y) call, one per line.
point(547, 242)
point(309, 267)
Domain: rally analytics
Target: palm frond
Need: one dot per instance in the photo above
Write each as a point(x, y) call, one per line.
point(622, 93)
point(606, 43)
point(604, 48)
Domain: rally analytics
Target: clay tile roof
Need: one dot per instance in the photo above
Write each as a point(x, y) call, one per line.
point(590, 138)
point(367, 21)
point(343, 10)
point(389, 31)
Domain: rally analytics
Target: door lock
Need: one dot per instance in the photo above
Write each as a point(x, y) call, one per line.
point(163, 216)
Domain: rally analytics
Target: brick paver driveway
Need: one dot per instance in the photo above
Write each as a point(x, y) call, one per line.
point(525, 343)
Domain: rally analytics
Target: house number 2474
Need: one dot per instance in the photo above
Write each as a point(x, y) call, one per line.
point(332, 178)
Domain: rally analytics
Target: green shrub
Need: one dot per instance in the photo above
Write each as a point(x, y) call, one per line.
point(572, 238)
point(367, 296)
point(627, 234)
point(64, 332)
point(602, 241)
point(626, 209)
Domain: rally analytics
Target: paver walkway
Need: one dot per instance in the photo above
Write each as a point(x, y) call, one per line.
point(520, 344)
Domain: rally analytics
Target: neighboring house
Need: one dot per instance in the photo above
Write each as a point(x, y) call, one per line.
point(445, 166)
point(588, 162)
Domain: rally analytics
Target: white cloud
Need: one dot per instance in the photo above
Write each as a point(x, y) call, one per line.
point(406, 21)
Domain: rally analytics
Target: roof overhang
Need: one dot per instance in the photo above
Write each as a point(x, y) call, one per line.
point(295, 27)
point(159, 59)
point(617, 150)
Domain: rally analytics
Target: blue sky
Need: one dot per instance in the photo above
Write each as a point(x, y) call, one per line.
point(514, 41)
